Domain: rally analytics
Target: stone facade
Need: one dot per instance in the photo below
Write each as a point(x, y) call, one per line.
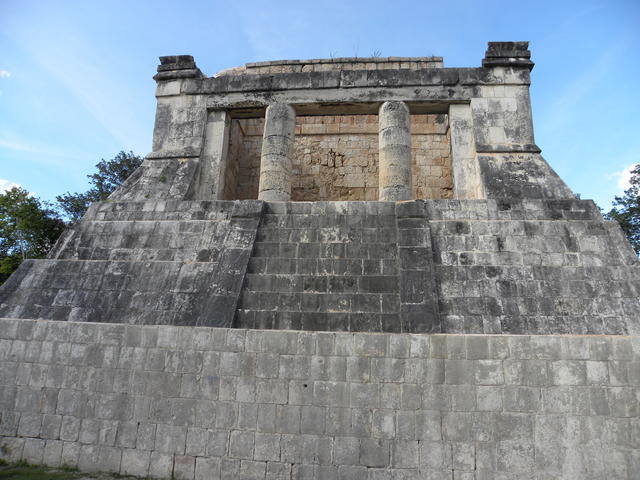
point(207, 403)
point(214, 317)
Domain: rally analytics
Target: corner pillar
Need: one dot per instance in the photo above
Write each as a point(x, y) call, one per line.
point(275, 159)
point(467, 181)
point(394, 140)
point(213, 160)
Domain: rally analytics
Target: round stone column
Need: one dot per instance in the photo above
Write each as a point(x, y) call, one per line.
point(275, 160)
point(394, 137)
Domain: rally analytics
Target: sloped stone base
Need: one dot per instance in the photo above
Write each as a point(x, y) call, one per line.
point(437, 266)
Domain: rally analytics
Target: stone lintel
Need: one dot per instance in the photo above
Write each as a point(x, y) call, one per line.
point(433, 77)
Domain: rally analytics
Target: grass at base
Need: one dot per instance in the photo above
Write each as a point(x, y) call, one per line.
point(24, 471)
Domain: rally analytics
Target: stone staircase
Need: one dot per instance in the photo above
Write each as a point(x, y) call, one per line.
point(326, 266)
point(323, 266)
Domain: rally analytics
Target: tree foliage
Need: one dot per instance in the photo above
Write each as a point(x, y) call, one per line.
point(28, 229)
point(626, 210)
point(110, 174)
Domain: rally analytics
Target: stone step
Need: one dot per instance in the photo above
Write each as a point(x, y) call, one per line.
point(327, 235)
point(320, 283)
point(340, 266)
point(318, 321)
point(328, 221)
point(335, 250)
point(322, 266)
point(385, 302)
point(317, 302)
point(330, 207)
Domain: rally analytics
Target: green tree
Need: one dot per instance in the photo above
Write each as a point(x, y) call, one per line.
point(110, 174)
point(28, 229)
point(626, 210)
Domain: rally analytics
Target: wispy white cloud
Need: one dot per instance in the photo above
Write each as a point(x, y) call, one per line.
point(623, 177)
point(39, 153)
point(564, 108)
point(7, 185)
point(21, 147)
point(625, 161)
point(273, 34)
point(5, 73)
point(103, 94)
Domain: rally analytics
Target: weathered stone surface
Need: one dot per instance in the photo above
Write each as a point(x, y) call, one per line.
point(162, 263)
point(395, 152)
point(468, 184)
point(474, 266)
point(275, 160)
point(506, 406)
point(508, 54)
point(335, 157)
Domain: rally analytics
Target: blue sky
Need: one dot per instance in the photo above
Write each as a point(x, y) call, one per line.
point(76, 86)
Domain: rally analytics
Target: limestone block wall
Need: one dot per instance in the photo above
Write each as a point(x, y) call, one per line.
point(335, 157)
point(521, 176)
point(180, 123)
point(243, 163)
point(207, 403)
point(431, 157)
point(525, 266)
point(502, 118)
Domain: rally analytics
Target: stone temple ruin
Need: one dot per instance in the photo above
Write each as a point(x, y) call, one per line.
point(351, 268)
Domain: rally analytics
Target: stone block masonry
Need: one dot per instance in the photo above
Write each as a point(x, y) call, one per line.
point(439, 266)
point(335, 157)
point(209, 403)
point(156, 262)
